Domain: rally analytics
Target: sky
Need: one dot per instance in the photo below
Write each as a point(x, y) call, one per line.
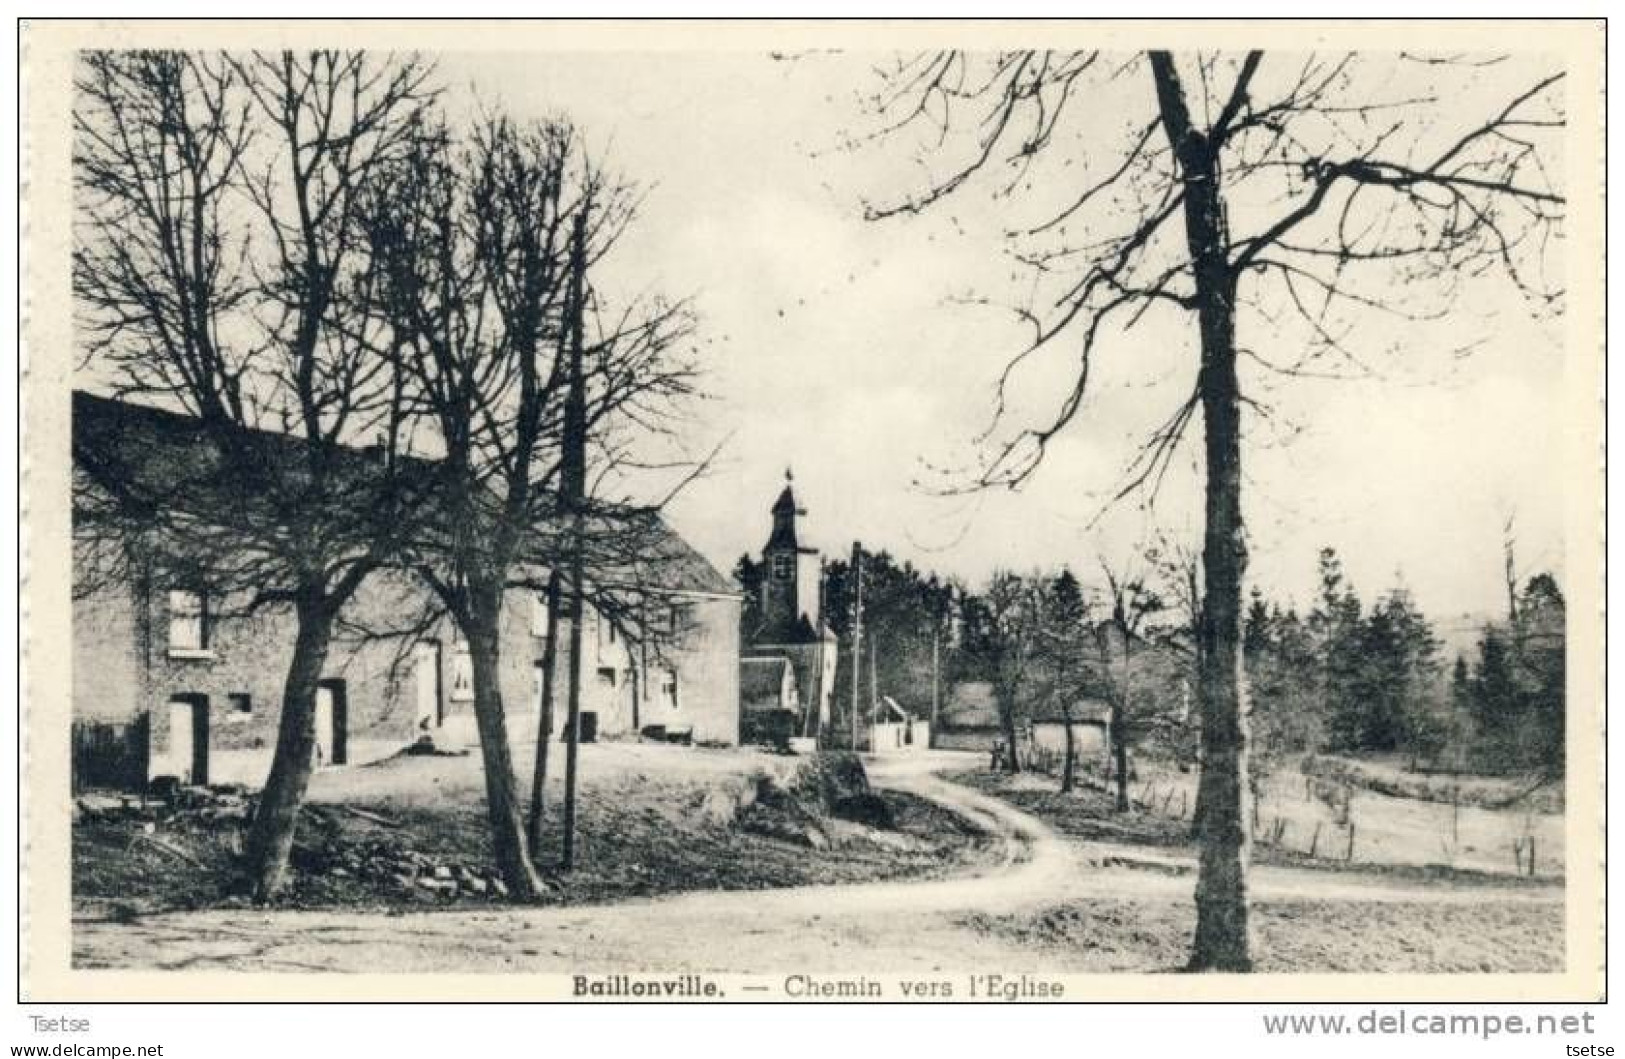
point(841, 348)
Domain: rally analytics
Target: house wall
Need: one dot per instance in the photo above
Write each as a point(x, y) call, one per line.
point(707, 663)
point(1088, 737)
point(104, 628)
point(123, 669)
point(981, 738)
point(899, 737)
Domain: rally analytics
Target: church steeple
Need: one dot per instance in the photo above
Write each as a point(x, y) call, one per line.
point(785, 513)
point(790, 589)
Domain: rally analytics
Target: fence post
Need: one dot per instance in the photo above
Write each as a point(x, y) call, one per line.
point(1348, 856)
point(1314, 840)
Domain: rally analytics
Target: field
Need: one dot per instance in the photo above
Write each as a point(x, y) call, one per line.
point(1297, 818)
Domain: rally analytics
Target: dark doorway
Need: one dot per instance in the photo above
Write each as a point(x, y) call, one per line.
point(189, 738)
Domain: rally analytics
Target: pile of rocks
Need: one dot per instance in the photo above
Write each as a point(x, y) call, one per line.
point(171, 804)
point(387, 862)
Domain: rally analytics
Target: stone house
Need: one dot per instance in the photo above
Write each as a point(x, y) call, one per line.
point(186, 682)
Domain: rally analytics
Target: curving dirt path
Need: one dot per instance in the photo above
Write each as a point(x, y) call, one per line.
point(889, 926)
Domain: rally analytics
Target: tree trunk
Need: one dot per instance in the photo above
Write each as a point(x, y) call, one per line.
point(544, 722)
point(1069, 760)
point(1221, 942)
point(276, 818)
point(502, 803)
point(1007, 718)
point(1119, 725)
point(1119, 738)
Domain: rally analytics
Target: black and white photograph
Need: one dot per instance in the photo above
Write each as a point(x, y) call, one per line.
point(896, 511)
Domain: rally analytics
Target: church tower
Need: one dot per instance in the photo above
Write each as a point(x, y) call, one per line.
point(791, 574)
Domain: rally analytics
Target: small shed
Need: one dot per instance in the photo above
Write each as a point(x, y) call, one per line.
point(896, 731)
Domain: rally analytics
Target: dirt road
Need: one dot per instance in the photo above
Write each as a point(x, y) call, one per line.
point(893, 926)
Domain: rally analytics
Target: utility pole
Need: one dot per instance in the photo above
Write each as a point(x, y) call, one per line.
point(874, 683)
point(857, 636)
point(573, 481)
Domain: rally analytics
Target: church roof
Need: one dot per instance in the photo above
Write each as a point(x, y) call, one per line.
point(797, 630)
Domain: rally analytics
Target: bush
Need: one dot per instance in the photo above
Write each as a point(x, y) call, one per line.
point(830, 777)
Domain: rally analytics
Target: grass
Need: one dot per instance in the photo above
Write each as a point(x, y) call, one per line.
point(645, 828)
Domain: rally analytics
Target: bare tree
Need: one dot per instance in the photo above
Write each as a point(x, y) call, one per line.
point(1293, 195)
point(1131, 602)
point(1015, 609)
point(489, 245)
point(218, 269)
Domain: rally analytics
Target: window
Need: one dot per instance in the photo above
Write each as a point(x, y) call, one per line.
point(606, 677)
point(241, 703)
point(188, 621)
point(462, 673)
point(784, 566)
point(668, 688)
point(538, 614)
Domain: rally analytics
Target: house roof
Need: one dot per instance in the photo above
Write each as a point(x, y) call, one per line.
point(892, 711)
point(971, 704)
point(169, 458)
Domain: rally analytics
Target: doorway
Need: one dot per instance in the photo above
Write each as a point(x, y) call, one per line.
point(426, 680)
point(189, 738)
point(331, 724)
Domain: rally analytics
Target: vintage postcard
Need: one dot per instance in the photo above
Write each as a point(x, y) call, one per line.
point(905, 511)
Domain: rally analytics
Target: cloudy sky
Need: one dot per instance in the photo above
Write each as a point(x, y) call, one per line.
point(840, 347)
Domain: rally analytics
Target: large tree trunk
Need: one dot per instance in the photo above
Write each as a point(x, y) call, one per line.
point(544, 722)
point(270, 840)
point(1221, 942)
point(502, 802)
